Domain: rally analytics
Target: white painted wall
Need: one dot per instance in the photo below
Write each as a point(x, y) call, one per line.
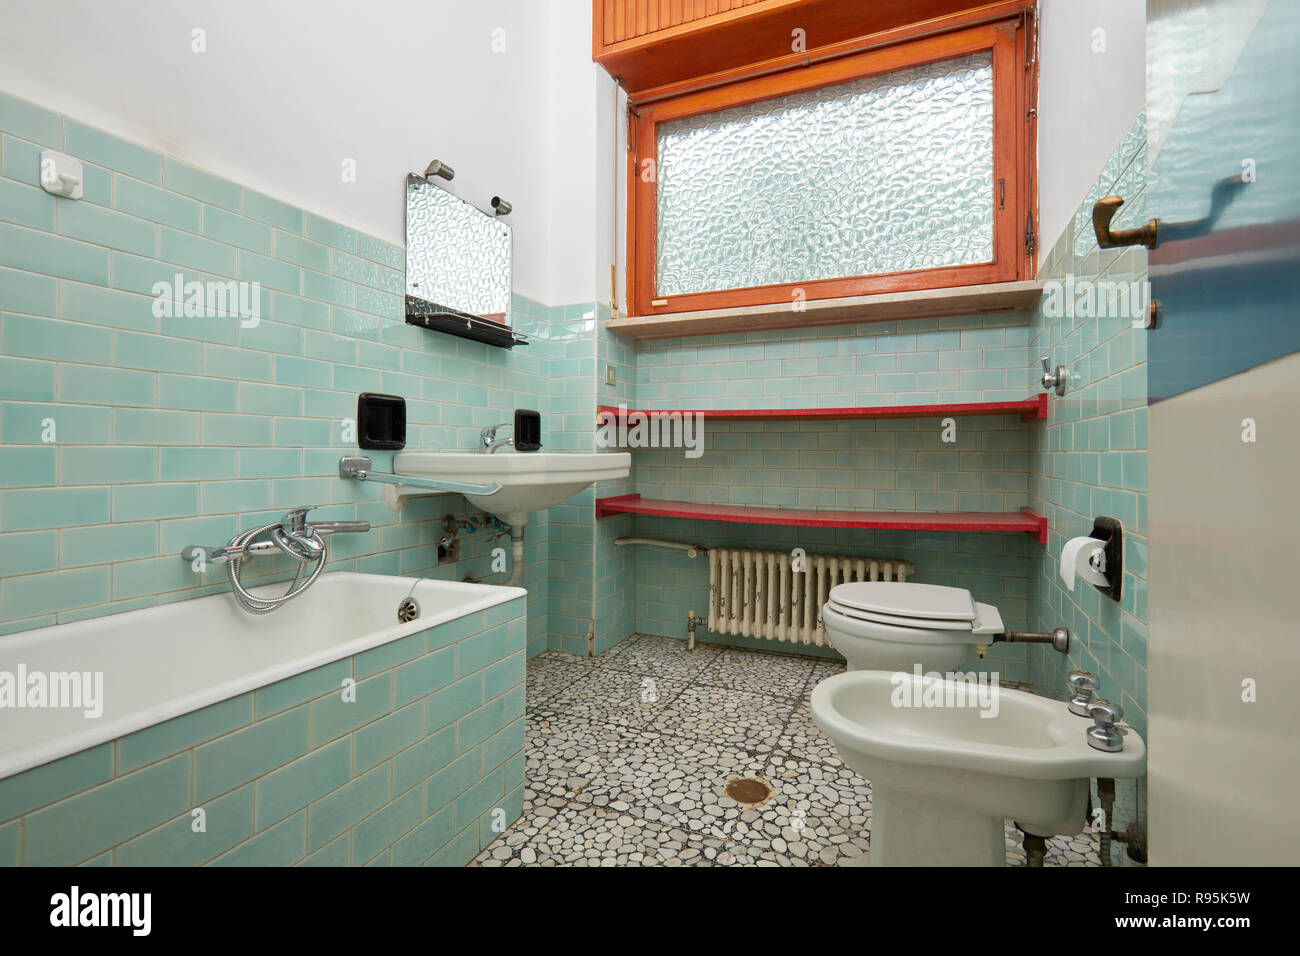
point(1086, 99)
point(288, 89)
point(572, 152)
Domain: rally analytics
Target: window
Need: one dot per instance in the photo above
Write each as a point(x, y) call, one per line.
point(899, 168)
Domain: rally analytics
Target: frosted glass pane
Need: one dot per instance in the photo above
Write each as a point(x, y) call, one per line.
point(882, 174)
point(457, 256)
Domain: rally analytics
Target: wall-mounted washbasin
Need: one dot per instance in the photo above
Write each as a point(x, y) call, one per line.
point(529, 481)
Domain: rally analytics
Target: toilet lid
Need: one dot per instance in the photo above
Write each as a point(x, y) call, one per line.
point(904, 599)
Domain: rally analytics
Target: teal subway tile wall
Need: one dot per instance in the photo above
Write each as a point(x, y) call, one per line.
point(125, 435)
point(887, 464)
point(424, 765)
point(1090, 458)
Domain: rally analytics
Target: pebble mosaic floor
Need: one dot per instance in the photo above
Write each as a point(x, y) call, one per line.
point(628, 756)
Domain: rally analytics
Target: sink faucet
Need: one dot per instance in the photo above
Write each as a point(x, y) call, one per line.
point(489, 440)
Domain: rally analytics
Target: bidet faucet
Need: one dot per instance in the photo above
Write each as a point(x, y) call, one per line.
point(1083, 691)
point(488, 438)
point(1103, 734)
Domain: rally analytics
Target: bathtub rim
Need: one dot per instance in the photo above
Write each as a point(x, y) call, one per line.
point(47, 751)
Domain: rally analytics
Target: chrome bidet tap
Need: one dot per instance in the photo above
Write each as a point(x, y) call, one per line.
point(1103, 734)
point(1083, 691)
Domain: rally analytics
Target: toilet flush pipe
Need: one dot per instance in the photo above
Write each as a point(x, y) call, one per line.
point(1058, 638)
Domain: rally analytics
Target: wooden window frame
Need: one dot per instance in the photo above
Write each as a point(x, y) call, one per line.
point(1014, 217)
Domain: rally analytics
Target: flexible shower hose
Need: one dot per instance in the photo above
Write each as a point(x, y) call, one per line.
point(259, 605)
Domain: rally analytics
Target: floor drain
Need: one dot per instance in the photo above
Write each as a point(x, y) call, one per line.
point(407, 611)
point(749, 791)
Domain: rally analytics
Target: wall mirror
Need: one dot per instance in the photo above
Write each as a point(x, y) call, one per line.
point(458, 261)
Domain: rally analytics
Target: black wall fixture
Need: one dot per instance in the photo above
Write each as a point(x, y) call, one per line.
point(1108, 529)
point(381, 421)
point(429, 315)
point(528, 430)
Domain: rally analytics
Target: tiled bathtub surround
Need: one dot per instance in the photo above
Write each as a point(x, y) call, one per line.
point(125, 437)
point(409, 771)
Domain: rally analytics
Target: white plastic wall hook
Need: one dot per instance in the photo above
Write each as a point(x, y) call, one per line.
point(61, 174)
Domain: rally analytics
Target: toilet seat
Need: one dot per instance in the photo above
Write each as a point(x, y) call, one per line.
point(929, 602)
point(898, 621)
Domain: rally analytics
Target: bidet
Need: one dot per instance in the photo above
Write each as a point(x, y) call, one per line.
point(945, 778)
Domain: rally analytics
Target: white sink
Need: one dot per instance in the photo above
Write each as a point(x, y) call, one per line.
point(530, 481)
point(943, 778)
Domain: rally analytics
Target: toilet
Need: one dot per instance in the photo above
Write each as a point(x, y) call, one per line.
point(895, 625)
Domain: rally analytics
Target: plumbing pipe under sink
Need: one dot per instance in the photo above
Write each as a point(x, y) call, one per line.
point(516, 557)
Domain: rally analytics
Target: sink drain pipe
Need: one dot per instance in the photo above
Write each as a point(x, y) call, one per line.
point(516, 556)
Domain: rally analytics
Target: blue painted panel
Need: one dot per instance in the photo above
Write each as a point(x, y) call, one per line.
point(1227, 269)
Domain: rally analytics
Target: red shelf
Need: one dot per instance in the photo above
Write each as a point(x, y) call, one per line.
point(1025, 520)
point(1029, 410)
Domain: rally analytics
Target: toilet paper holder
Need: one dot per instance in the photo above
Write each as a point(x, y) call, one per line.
point(1108, 529)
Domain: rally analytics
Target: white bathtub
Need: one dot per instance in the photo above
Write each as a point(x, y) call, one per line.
point(161, 662)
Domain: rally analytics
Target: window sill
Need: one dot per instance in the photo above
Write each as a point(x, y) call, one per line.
point(882, 307)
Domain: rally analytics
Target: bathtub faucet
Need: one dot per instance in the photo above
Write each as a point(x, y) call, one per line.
point(306, 537)
point(293, 535)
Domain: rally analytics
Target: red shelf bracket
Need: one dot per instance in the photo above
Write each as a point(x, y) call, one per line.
point(1040, 533)
point(611, 505)
point(1039, 412)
